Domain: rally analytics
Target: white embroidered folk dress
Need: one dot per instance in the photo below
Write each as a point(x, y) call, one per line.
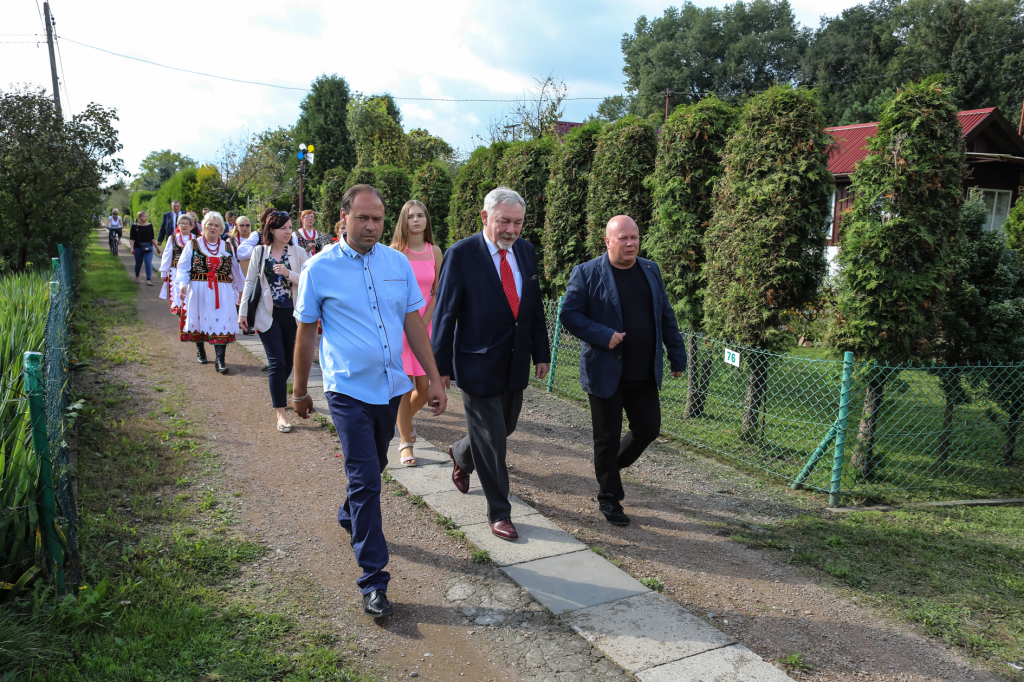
point(168, 263)
point(213, 280)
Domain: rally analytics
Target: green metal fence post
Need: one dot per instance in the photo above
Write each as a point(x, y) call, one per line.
point(554, 349)
point(841, 422)
point(37, 412)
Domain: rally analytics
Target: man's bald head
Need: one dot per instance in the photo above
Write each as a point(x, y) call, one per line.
point(622, 237)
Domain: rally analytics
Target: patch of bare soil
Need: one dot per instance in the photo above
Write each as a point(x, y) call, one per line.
point(680, 504)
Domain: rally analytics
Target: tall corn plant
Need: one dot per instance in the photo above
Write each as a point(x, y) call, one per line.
point(899, 242)
point(24, 305)
point(765, 245)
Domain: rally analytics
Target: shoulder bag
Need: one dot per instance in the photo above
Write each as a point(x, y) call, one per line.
point(257, 294)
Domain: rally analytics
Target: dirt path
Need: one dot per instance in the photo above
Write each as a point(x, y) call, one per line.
point(455, 620)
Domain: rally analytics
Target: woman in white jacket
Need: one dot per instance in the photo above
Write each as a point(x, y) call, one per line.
point(208, 279)
point(183, 233)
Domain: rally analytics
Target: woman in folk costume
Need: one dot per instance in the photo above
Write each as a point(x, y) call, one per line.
point(309, 238)
point(239, 238)
point(209, 280)
point(181, 236)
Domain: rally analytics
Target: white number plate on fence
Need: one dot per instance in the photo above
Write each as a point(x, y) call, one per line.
point(732, 357)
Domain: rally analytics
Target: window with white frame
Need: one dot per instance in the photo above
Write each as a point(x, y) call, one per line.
point(997, 201)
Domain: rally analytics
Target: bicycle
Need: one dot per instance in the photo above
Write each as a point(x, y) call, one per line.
point(113, 239)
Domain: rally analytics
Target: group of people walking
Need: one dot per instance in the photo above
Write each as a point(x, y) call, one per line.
point(473, 315)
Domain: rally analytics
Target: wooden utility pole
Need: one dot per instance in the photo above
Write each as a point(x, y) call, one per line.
point(667, 93)
point(53, 60)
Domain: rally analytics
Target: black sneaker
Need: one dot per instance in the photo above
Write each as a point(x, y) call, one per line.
point(376, 604)
point(614, 514)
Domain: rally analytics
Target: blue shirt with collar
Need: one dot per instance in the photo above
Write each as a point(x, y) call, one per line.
point(362, 301)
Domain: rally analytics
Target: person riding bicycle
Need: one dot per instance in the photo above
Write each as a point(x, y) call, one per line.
point(115, 226)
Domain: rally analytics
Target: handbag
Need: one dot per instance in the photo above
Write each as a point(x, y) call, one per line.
point(257, 294)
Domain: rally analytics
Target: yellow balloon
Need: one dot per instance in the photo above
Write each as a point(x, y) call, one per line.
point(310, 148)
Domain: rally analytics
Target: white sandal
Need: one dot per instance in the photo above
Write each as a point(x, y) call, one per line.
point(284, 428)
point(409, 461)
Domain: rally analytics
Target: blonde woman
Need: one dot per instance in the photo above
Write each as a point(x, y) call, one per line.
point(414, 237)
point(208, 280)
point(183, 234)
point(239, 236)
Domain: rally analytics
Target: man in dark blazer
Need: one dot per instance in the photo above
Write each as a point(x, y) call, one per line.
point(488, 324)
point(169, 222)
point(617, 306)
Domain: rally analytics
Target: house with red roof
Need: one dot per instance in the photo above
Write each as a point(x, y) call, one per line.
point(995, 160)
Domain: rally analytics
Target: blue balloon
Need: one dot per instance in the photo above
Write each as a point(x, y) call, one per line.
point(301, 154)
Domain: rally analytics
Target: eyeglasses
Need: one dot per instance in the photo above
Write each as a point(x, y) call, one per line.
point(243, 225)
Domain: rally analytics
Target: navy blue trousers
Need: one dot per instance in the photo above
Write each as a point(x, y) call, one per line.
point(364, 431)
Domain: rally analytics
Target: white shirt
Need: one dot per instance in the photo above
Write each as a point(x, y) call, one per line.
point(511, 258)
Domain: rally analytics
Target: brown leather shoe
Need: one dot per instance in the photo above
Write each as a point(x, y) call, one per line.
point(459, 477)
point(504, 529)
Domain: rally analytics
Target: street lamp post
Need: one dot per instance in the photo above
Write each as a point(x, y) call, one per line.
point(305, 157)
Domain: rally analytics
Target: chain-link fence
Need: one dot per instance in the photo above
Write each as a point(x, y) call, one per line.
point(856, 430)
point(38, 511)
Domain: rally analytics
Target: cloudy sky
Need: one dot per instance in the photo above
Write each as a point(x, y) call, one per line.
point(454, 49)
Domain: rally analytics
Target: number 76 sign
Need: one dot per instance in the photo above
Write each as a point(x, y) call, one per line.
point(732, 357)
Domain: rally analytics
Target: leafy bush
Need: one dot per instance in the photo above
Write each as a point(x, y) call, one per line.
point(477, 177)
point(526, 168)
point(140, 202)
point(178, 188)
point(765, 245)
point(396, 186)
point(682, 186)
point(207, 192)
point(565, 222)
point(1014, 225)
point(360, 175)
point(625, 156)
point(328, 204)
point(899, 240)
point(432, 185)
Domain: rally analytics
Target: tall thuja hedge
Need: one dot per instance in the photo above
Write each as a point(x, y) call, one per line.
point(1014, 225)
point(432, 184)
point(396, 186)
point(625, 156)
point(526, 168)
point(765, 245)
point(477, 177)
point(682, 187)
point(565, 222)
point(982, 324)
point(898, 242)
point(361, 175)
point(327, 203)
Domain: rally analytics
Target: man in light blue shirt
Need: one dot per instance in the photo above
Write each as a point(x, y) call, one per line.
point(366, 295)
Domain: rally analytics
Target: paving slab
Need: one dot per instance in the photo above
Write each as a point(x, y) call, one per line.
point(646, 631)
point(426, 480)
point(538, 538)
point(574, 581)
point(471, 508)
point(734, 663)
point(426, 454)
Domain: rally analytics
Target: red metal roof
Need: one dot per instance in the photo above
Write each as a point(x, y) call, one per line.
point(851, 141)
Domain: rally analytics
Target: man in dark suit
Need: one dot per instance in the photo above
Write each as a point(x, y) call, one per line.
point(169, 222)
point(488, 324)
point(617, 306)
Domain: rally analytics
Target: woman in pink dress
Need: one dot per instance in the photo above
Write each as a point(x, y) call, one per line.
point(415, 238)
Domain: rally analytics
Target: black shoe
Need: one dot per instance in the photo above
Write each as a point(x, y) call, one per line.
point(201, 353)
point(376, 604)
point(219, 363)
point(614, 514)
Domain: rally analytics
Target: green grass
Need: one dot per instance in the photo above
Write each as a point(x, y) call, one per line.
point(480, 556)
point(652, 583)
point(160, 602)
point(955, 572)
point(602, 552)
point(795, 661)
point(801, 404)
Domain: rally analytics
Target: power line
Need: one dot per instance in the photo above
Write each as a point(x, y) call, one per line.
point(63, 78)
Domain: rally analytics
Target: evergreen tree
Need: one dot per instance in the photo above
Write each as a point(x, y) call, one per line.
point(526, 168)
point(682, 187)
point(322, 123)
point(765, 246)
point(898, 242)
point(565, 222)
point(328, 203)
point(396, 186)
point(432, 185)
point(625, 155)
point(1014, 225)
point(477, 177)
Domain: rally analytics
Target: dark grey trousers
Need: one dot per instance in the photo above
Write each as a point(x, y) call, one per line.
point(489, 421)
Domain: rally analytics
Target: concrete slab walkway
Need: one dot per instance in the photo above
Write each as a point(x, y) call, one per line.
point(643, 632)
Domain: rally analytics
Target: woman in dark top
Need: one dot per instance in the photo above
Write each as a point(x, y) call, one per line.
point(143, 242)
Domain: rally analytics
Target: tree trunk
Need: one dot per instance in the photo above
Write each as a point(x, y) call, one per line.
point(1012, 424)
point(952, 391)
point(863, 458)
point(757, 385)
point(698, 376)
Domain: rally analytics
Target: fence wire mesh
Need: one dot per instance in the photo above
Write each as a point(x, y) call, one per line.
point(910, 433)
point(38, 510)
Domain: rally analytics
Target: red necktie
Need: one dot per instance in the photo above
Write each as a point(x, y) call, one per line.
point(508, 283)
